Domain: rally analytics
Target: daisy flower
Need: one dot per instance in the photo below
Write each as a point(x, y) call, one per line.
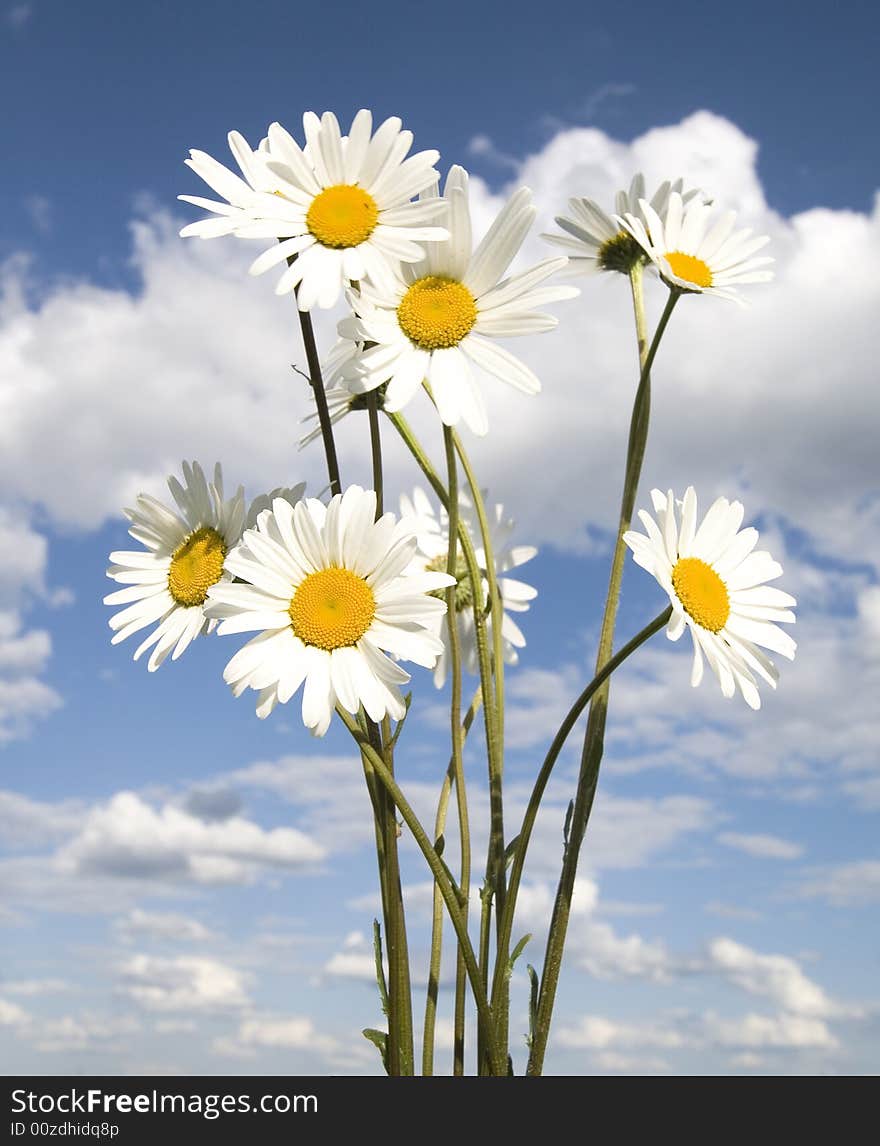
point(432, 530)
point(441, 315)
point(236, 214)
point(717, 586)
point(328, 591)
point(341, 205)
point(694, 257)
point(184, 555)
point(595, 240)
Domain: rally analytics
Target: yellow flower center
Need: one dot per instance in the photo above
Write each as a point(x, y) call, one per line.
point(437, 312)
point(702, 593)
point(689, 268)
point(332, 608)
point(196, 565)
point(342, 216)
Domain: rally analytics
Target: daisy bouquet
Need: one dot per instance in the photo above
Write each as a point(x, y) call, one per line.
point(339, 595)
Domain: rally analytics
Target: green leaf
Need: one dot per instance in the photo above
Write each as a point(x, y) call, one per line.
point(440, 845)
point(380, 966)
point(516, 954)
point(510, 852)
point(379, 1039)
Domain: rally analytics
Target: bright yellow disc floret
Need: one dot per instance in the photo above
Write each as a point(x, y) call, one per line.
point(702, 593)
point(332, 609)
point(689, 268)
point(342, 216)
point(196, 565)
point(437, 312)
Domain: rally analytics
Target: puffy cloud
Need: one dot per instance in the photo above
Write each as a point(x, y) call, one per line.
point(786, 1032)
point(198, 364)
point(594, 1032)
point(776, 977)
point(183, 983)
point(129, 839)
point(24, 654)
point(30, 822)
point(11, 1014)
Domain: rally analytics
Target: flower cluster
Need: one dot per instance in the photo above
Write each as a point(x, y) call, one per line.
point(336, 596)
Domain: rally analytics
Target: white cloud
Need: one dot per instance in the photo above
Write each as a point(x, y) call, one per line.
point(35, 987)
point(845, 884)
point(776, 977)
point(162, 925)
point(183, 983)
point(360, 965)
point(761, 846)
point(11, 1014)
point(598, 949)
point(788, 1032)
point(594, 1032)
point(614, 1062)
point(87, 1032)
point(24, 654)
point(127, 838)
point(30, 822)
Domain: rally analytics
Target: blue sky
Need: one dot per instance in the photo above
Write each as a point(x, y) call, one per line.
point(728, 918)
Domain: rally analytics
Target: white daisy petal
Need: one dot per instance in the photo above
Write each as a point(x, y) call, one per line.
point(350, 589)
point(717, 586)
point(186, 555)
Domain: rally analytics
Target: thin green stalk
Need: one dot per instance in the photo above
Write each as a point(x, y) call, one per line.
point(457, 769)
point(543, 778)
point(316, 379)
point(594, 738)
point(448, 890)
point(494, 748)
point(437, 923)
point(495, 886)
point(400, 1025)
point(495, 871)
point(376, 451)
point(437, 912)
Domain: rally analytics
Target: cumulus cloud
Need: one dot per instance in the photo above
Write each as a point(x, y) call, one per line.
point(594, 1032)
point(24, 653)
point(128, 838)
point(183, 983)
point(795, 1032)
point(776, 977)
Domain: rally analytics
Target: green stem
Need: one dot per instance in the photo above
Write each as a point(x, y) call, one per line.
point(594, 737)
point(495, 872)
point(400, 1026)
point(376, 451)
point(534, 804)
point(456, 771)
point(486, 678)
point(448, 889)
point(316, 379)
